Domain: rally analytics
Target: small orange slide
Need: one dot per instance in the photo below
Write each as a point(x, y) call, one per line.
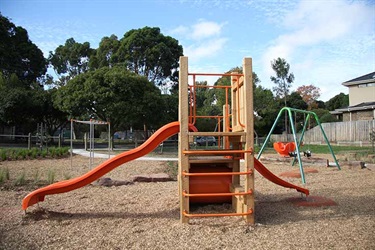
point(68, 185)
point(273, 178)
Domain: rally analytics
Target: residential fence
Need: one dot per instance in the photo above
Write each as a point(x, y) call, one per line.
point(351, 133)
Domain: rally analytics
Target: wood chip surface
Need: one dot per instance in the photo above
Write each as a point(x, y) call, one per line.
point(146, 215)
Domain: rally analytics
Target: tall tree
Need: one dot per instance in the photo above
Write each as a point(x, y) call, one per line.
point(283, 79)
point(70, 59)
point(309, 94)
point(24, 107)
point(104, 55)
point(149, 53)
point(18, 55)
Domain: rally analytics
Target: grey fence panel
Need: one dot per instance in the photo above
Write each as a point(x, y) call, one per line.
point(355, 131)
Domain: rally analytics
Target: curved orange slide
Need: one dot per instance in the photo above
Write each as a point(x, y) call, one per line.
point(68, 185)
point(273, 178)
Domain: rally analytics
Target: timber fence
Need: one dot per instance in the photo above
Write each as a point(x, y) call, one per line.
point(352, 133)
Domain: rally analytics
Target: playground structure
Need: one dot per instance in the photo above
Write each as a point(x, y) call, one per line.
point(205, 176)
point(293, 148)
point(284, 148)
point(91, 138)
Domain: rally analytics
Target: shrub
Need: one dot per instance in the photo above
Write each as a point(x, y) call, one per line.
point(36, 176)
point(22, 154)
point(2, 176)
point(21, 179)
point(67, 176)
point(51, 176)
point(44, 153)
point(3, 154)
point(15, 154)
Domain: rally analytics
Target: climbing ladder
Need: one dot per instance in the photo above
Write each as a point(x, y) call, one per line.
point(213, 175)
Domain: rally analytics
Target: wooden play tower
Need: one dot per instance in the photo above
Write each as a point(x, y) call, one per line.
point(213, 175)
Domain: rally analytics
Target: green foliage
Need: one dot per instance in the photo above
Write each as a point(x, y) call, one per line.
point(70, 59)
point(36, 177)
point(24, 107)
point(294, 100)
point(104, 55)
point(23, 154)
point(339, 101)
point(51, 176)
point(114, 94)
point(3, 154)
point(283, 79)
point(21, 179)
point(20, 56)
point(149, 53)
point(67, 176)
point(4, 175)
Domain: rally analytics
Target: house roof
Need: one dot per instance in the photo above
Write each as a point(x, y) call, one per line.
point(358, 107)
point(370, 77)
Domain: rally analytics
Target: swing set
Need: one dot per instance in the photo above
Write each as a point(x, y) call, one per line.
point(293, 148)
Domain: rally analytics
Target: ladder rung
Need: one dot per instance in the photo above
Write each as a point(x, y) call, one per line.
point(230, 134)
point(217, 173)
point(216, 194)
point(216, 152)
point(217, 215)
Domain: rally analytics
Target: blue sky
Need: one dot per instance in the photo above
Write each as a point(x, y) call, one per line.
point(326, 42)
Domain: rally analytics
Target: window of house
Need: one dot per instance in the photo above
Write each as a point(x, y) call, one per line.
point(366, 85)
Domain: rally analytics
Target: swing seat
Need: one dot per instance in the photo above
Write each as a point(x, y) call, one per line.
point(284, 148)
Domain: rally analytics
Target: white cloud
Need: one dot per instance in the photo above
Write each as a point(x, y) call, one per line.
point(180, 30)
point(205, 49)
point(205, 29)
point(202, 39)
point(322, 39)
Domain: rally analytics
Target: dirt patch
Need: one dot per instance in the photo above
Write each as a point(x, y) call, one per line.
point(146, 215)
point(297, 174)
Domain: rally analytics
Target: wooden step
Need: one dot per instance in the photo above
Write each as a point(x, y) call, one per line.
point(209, 159)
point(230, 134)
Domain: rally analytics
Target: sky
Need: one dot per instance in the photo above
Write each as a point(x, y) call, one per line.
point(326, 42)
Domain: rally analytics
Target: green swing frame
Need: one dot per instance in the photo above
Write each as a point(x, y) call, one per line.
point(298, 143)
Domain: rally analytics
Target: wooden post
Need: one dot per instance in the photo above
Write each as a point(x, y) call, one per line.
point(248, 116)
point(29, 141)
point(234, 80)
point(183, 142)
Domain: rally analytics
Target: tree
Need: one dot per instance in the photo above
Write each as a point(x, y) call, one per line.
point(104, 55)
point(18, 55)
point(283, 79)
point(149, 53)
point(309, 94)
point(324, 116)
point(266, 109)
point(24, 107)
point(71, 59)
point(339, 101)
point(112, 94)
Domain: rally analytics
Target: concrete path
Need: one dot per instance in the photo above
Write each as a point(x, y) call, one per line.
point(101, 155)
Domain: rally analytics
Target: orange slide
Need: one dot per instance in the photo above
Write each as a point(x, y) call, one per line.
point(273, 178)
point(68, 185)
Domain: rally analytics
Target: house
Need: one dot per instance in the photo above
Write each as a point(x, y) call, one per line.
point(361, 99)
